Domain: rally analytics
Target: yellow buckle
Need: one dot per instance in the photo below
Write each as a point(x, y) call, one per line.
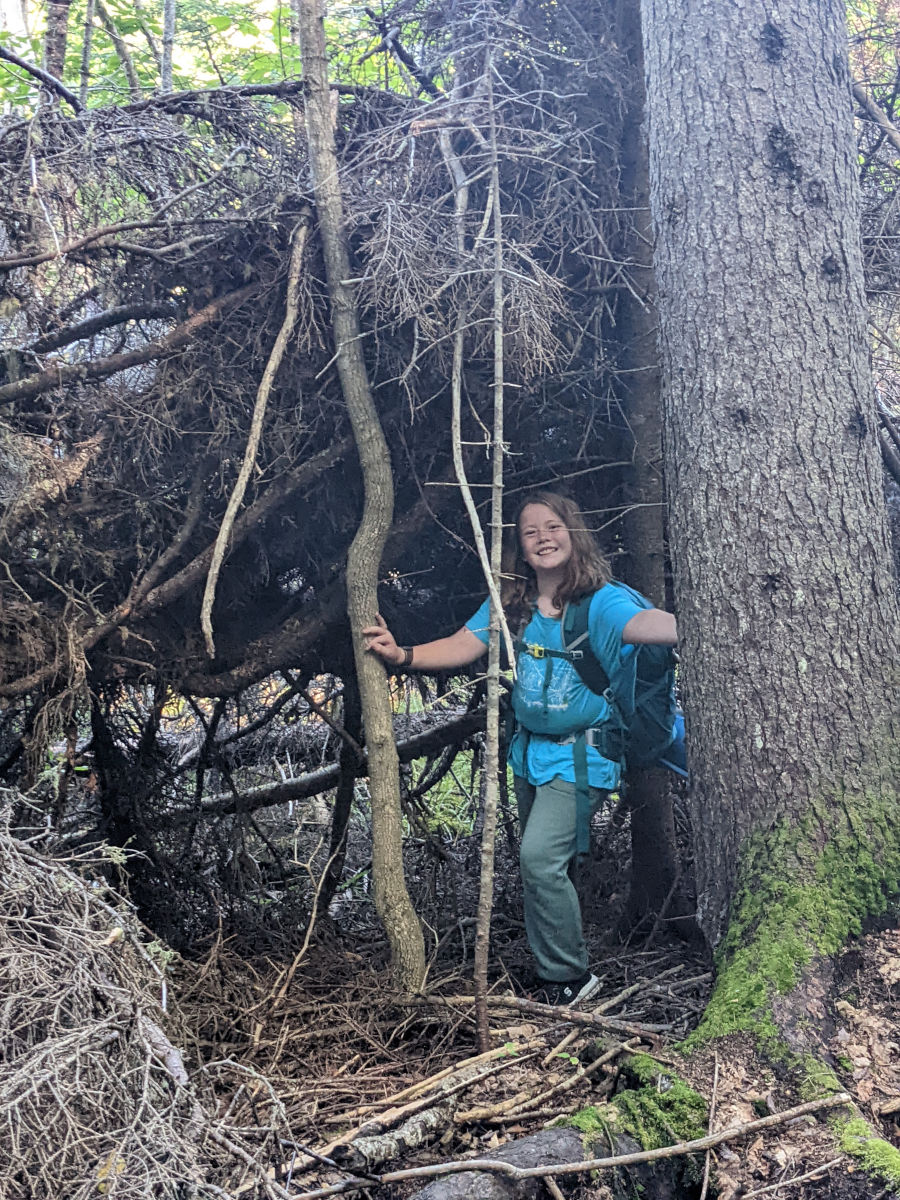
point(536, 651)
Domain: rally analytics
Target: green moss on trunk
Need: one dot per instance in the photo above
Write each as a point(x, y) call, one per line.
point(800, 896)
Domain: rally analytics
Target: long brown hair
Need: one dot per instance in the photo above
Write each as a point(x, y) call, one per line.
point(586, 571)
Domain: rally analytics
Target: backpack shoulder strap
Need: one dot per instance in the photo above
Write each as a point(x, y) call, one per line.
point(576, 637)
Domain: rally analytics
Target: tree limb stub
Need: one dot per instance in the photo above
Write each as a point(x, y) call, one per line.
point(512, 1172)
point(881, 119)
point(176, 102)
point(105, 320)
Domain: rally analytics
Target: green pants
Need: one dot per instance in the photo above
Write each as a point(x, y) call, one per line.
point(547, 860)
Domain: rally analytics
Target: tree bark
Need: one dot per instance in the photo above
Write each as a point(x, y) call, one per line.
point(56, 35)
point(391, 897)
point(87, 38)
point(168, 45)
point(788, 615)
point(121, 48)
point(654, 857)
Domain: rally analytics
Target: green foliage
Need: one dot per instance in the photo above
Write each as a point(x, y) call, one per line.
point(449, 807)
point(657, 1109)
point(17, 88)
point(161, 954)
point(816, 1079)
point(216, 42)
point(597, 1124)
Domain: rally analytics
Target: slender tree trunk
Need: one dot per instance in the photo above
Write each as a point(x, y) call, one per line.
point(788, 614)
point(168, 45)
point(87, 38)
point(491, 770)
point(293, 13)
point(149, 36)
point(343, 797)
point(122, 52)
point(55, 37)
point(391, 897)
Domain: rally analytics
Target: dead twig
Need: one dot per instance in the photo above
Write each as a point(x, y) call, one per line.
point(553, 1188)
point(426, 1086)
point(547, 1010)
point(712, 1115)
point(259, 411)
point(379, 1124)
point(813, 1174)
point(519, 1106)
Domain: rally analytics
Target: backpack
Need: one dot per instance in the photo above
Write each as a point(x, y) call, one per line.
point(644, 738)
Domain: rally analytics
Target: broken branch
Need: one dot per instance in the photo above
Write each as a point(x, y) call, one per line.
point(49, 81)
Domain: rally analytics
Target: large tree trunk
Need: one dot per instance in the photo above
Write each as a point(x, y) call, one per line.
point(789, 620)
point(654, 859)
point(391, 897)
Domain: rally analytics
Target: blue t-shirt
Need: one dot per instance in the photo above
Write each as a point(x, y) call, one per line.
point(550, 698)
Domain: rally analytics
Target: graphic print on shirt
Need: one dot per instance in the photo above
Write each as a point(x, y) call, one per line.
point(532, 678)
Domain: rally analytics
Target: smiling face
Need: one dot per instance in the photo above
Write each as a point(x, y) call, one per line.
point(544, 538)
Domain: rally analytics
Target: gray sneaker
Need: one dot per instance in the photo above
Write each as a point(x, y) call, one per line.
point(568, 993)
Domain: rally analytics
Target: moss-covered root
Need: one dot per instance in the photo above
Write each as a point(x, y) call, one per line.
point(876, 1157)
point(655, 1109)
point(658, 1108)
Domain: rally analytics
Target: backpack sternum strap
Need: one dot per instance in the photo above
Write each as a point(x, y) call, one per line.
point(536, 650)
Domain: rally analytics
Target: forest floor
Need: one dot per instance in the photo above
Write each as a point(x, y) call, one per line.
point(287, 1067)
point(380, 1083)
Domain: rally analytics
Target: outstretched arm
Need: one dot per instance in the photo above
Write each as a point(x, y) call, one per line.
point(651, 627)
point(457, 650)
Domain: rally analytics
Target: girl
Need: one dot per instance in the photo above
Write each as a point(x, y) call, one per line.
point(550, 559)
